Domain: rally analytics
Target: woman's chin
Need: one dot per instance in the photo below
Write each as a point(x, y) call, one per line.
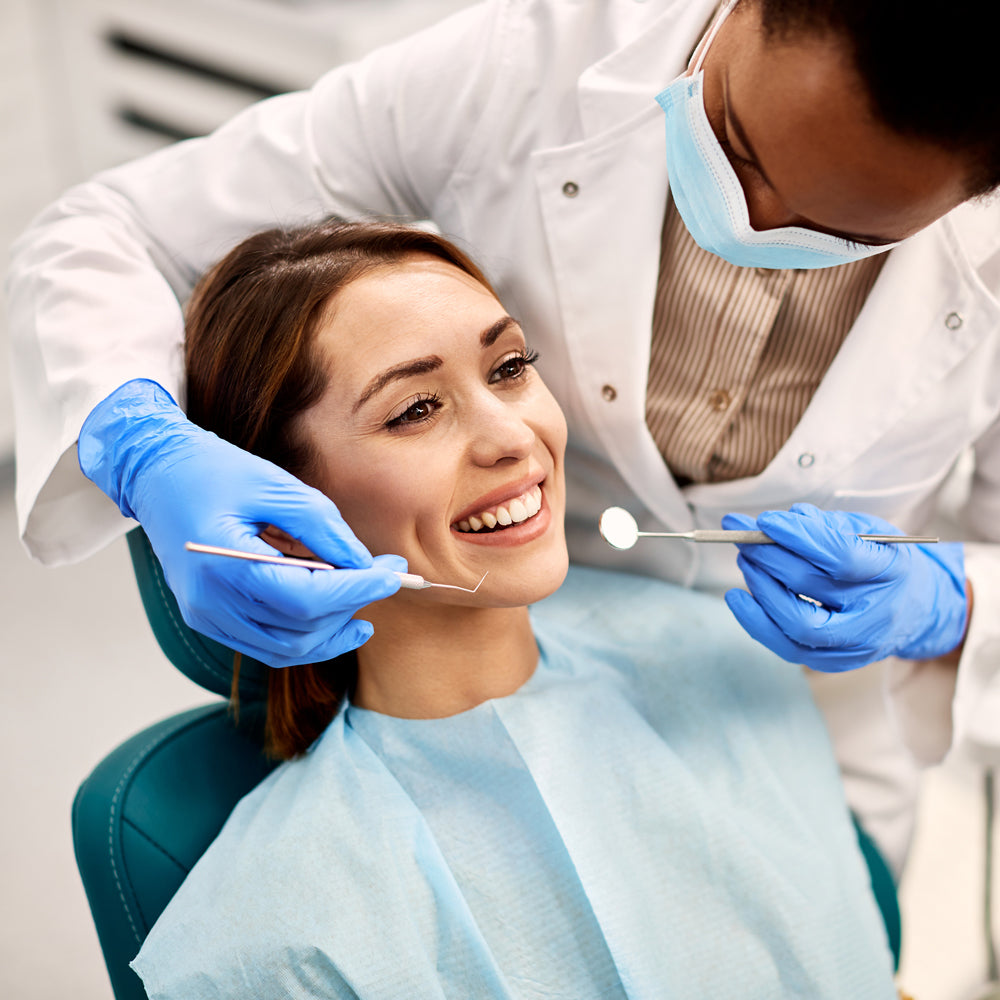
point(515, 587)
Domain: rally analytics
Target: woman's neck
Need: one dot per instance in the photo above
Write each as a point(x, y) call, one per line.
point(427, 661)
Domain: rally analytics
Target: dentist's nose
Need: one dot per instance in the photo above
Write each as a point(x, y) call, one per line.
point(500, 434)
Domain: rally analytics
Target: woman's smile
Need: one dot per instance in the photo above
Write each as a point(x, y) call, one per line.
point(509, 504)
point(515, 521)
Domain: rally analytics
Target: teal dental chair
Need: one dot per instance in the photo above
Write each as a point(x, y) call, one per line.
point(149, 810)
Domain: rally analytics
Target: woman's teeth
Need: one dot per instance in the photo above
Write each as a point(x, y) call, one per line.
point(511, 512)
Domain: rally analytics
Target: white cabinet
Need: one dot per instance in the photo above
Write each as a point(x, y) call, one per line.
point(145, 72)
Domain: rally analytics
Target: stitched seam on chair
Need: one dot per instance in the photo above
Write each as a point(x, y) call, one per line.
point(136, 761)
point(149, 840)
point(144, 752)
point(180, 629)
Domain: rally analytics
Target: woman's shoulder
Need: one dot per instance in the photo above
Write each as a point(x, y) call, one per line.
point(330, 818)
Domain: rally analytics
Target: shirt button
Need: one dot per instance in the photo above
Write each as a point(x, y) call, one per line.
point(719, 400)
point(806, 459)
point(953, 320)
point(571, 189)
point(609, 393)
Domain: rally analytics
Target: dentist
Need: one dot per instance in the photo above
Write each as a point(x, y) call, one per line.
point(793, 300)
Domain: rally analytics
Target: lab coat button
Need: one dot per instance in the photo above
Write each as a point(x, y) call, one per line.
point(806, 459)
point(571, 189)
point(719, 400)
point(609, 393)
point(953, 320)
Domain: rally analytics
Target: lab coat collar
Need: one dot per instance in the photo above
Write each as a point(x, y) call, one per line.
point(621, 173)
point(975, 228)
point(623, 84)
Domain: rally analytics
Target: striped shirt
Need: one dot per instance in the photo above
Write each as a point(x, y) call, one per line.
point(738, 352)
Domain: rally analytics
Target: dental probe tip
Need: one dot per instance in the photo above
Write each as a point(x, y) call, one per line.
point(410, 581)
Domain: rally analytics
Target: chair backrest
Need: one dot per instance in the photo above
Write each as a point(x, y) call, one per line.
point(204, 660)
point(150, 809)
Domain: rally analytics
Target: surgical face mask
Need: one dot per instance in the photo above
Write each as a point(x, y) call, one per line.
point(709, 196)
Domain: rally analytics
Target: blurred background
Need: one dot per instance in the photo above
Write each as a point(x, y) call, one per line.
point(85, 84)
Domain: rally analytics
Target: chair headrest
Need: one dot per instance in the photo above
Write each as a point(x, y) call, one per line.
point(204, 660)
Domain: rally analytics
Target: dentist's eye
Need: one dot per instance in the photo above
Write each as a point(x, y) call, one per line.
point(514, 367)
point(735, 159)
point(414, 411)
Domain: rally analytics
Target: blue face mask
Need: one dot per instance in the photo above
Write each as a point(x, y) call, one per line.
point(709, 196)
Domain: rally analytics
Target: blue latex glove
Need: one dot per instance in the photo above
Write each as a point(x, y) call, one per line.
point(877, 600)
point(182, 484)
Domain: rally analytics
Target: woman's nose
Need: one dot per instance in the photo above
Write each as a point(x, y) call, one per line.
point(501, 434)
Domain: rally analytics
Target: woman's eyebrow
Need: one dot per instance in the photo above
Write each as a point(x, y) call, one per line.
point(419, 366)
point(492, 334)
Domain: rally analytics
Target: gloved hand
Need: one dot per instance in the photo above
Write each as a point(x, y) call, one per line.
point(877, 600)
point(182, 484)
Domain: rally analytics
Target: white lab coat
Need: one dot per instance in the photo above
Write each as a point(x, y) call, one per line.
point(528, 129)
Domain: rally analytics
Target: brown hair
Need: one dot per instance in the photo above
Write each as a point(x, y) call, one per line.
point(251, 371)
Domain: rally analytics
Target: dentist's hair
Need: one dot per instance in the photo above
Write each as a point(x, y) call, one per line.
point(929, 68)
point(252, 371)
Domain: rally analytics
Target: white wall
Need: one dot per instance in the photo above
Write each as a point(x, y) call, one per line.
point(30, 145)
point(64, 84)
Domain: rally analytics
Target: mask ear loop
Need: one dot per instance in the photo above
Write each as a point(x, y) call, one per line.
point(701, 49)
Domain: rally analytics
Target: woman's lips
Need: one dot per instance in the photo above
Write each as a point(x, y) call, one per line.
point(530, 527)
point(517, 510)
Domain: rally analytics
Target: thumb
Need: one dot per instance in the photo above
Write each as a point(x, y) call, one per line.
point(312, 517)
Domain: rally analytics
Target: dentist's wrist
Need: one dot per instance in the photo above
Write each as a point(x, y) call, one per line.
point(118, 434)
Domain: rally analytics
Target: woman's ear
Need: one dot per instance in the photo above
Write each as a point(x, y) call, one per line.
point(284, 543)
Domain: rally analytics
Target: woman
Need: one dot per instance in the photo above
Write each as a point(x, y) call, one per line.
point(492, 803)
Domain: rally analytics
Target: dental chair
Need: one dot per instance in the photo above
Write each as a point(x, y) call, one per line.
point(150, 809)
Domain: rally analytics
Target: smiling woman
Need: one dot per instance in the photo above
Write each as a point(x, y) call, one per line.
point(616, 794)
point(374, 362)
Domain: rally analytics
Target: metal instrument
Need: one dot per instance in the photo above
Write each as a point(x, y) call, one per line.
point(619, 530)
point(409, 581)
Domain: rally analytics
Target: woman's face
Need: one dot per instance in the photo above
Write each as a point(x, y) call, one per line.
point(434, 421)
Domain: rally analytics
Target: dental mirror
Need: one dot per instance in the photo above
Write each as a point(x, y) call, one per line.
point(618, 528)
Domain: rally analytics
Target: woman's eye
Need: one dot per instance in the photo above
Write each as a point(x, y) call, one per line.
point(514, 367)
point(416, 411)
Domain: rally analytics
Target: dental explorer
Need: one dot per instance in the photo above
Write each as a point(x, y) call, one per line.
point(408, 581)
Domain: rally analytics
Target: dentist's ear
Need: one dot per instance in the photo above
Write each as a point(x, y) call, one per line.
point(284, 543)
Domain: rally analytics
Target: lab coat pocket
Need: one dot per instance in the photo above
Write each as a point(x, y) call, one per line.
point(907, 505)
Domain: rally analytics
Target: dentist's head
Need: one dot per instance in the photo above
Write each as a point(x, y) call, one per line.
point(812, 132)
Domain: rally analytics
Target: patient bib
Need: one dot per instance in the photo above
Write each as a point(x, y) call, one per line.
point(656, 813)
